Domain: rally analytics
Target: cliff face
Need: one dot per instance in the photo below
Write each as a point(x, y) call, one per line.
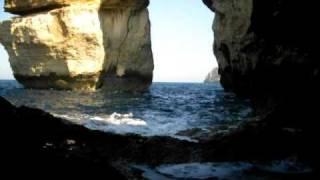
point(127, 41)
point(213, 76)
point(78, 44)
point(265, 50)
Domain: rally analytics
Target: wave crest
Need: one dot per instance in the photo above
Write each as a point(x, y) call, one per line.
point(120, 119)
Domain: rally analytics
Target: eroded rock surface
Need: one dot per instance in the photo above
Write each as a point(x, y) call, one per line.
point(127, 43)
point(265, 49)
point(79, 44)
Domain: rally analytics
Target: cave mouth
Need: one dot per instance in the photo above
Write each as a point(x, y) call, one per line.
point(182, 47)
point(202, 113)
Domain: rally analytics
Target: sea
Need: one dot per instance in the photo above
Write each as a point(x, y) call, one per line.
point(166, 109)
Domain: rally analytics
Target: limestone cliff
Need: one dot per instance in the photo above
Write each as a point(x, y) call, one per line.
point(127, 41)
point(213, 76)
point(79, 44)
point(265, 49)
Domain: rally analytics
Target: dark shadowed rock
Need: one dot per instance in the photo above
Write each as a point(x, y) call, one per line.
point(267, 51)
point(35, 141)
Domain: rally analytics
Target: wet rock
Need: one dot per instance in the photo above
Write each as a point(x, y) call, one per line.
point(57, 145)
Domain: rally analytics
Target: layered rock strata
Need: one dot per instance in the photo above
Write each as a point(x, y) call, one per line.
point(79, 44)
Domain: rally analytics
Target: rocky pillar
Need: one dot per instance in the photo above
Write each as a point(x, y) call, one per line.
point(79, 44)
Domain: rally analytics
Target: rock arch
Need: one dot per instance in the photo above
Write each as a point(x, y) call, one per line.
point(79, 44)
point(259, 50)
point(277, 69)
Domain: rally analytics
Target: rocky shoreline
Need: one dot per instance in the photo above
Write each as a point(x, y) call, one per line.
point(265, 51)
point(48, 142)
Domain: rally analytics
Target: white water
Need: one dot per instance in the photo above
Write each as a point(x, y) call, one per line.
point(129, 124)
point(120, 119)
point(168, 109)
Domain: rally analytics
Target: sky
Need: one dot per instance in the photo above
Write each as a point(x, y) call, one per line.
point(5, 69)
point(182, 39)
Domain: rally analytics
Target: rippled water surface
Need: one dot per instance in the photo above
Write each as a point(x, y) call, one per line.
point(167, 109)
point(274, 170)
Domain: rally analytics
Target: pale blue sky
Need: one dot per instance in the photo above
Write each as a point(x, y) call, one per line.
point(182, 41)
point(5, 69)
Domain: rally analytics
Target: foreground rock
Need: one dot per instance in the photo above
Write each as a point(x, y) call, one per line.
point(57, 146)
point(266, 51)
point(36, 142)
point(213, 76)
point(79, 45)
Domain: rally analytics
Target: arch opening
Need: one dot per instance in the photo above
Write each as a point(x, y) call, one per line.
point(182, 40)
point(5, 68)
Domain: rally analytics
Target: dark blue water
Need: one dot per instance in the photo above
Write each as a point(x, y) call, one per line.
point(167, 109)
